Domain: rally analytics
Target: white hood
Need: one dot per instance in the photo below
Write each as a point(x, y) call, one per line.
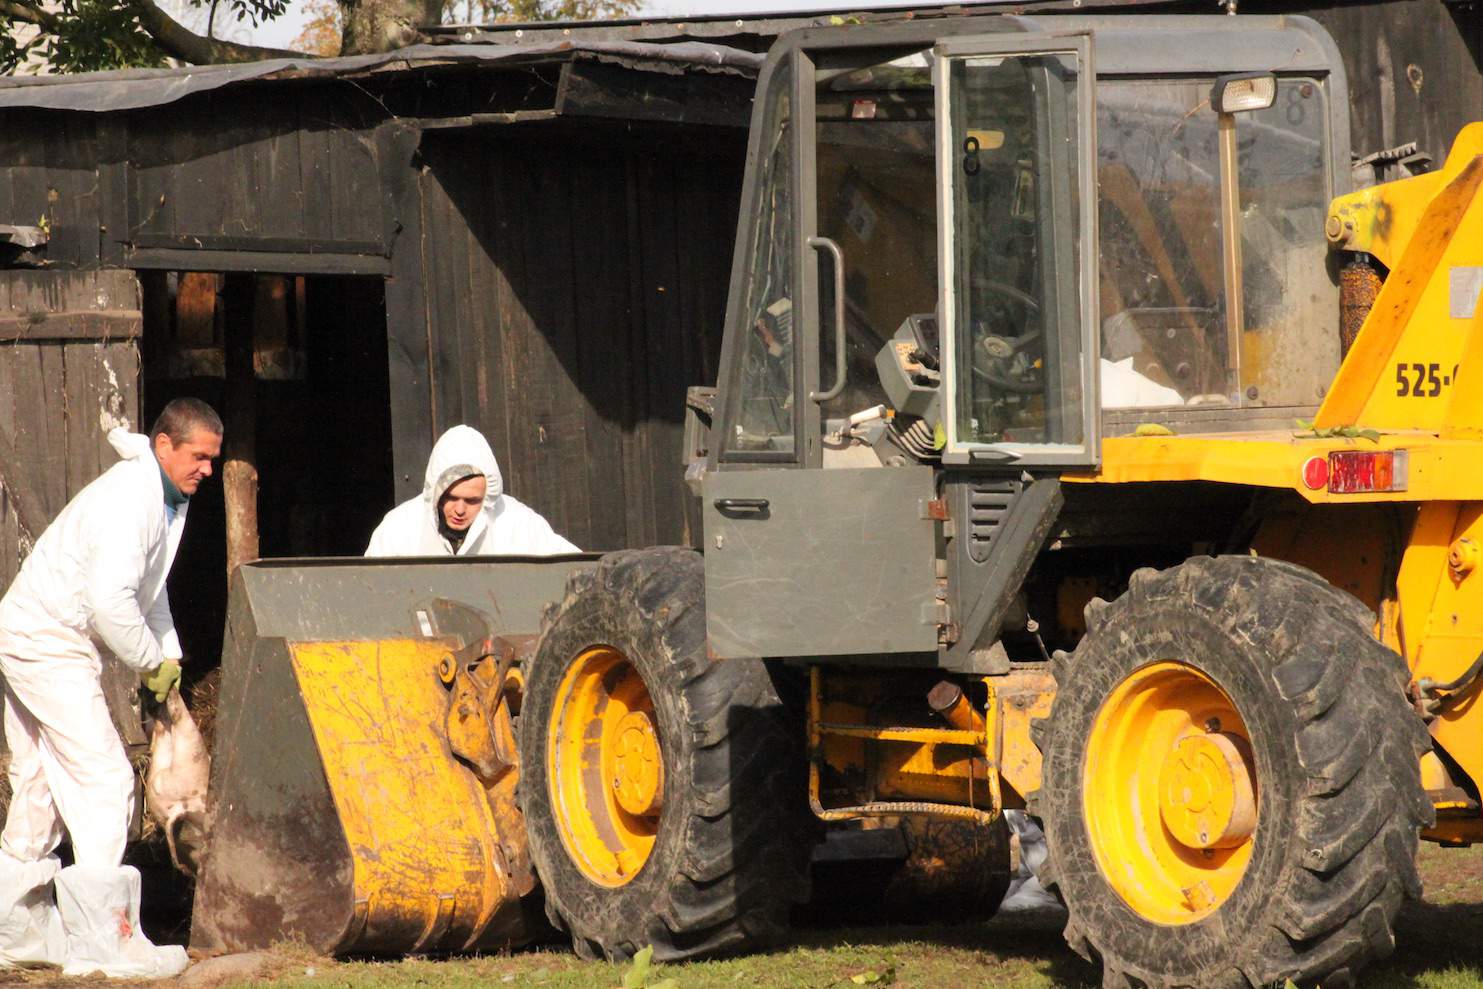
point(129, 446)
point(503, 526)
point(459, 453)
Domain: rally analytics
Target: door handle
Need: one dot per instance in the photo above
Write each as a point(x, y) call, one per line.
point(825, 244)
point(741, 504)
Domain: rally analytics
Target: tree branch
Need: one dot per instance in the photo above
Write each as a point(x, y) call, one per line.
point(180, 42)
point(19, 10)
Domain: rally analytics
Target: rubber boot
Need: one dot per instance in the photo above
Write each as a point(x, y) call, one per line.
point(30, 927)
point(100, 916)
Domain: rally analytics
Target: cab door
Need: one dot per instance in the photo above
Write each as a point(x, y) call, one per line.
point(847, 238)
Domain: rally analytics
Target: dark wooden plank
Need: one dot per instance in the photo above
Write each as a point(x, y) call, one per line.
point(600, 258)
point(639, 514)
point(101, 391)
point(478, 291)
point(113, 188)
point(560, 417)
point(407, 333)
point(280, 179)
point(208, 166)
point(167, 259)
point(509, 205)
point(10, 540)
point(98, 325)
point(27, 176)
point(1412, 67)
point(664, 393)
point(72, 159)
point(25, 501)
point(155, 147)
point(355, 197)
point(445, 240)
point(316, 134)
point(38, 427)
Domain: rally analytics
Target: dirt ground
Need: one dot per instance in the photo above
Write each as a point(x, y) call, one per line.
point(1439, 946)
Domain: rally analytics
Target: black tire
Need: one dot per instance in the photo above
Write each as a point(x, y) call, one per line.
point(730, 855)
point(1336, 749)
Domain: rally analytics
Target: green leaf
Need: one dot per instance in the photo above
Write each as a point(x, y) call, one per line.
point(939, 437)
point(637, 977)
point(1152, 429)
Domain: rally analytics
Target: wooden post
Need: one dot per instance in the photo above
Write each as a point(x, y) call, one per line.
point(239, 463)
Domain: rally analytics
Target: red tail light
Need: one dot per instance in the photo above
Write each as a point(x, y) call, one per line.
point(1363, 471)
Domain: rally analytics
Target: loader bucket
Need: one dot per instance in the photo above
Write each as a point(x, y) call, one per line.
point(339, 813)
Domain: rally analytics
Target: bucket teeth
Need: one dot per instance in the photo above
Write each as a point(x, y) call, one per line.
point(1093, 614)
point(1040, 732)
point(1060, 663)
point(1076, 940)
point(1141, 577)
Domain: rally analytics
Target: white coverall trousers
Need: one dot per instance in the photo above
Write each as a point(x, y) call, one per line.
point(67, 765)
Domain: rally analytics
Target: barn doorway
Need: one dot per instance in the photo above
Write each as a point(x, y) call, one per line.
point(319, 413)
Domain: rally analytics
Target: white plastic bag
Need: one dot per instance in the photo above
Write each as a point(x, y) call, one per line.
point(99, 907)
point(30, 928)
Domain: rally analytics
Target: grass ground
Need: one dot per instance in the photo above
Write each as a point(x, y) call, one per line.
point(1440, 946)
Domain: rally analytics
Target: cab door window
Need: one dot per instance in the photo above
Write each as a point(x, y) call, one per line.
point(1016, 298)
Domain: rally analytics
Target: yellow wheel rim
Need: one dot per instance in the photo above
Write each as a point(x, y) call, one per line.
point(1169, 792)
point(605, 766)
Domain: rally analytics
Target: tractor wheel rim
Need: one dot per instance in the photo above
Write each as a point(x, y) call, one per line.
point(605, 766)
point(1169, 793)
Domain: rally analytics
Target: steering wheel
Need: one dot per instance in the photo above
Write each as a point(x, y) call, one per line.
point(997, 350)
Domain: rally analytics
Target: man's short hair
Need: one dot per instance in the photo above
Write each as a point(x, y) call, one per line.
point(181, 417)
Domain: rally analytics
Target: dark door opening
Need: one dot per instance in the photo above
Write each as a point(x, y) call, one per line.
point(321, 414)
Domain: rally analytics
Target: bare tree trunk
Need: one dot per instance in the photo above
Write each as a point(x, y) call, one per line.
point(239, 466)
point(373, 26)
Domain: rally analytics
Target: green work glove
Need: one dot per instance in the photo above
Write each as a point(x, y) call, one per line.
point(161, 679)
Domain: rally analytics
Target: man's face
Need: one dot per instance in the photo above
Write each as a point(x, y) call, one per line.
point(462, 501)
point(187, 464)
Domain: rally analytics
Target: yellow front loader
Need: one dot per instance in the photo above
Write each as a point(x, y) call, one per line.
point(1033, 494)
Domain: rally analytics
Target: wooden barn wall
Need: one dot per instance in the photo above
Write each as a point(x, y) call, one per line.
point(1415, 69)
point(576, 285)
point(69, 372)
point(289, 168)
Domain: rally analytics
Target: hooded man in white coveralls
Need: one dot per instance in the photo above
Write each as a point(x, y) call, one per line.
point(463, 509)
point(97, 573)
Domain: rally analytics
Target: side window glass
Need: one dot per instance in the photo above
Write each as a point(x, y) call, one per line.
point(1163, 320)
point(1282, 168)
point(762, 426)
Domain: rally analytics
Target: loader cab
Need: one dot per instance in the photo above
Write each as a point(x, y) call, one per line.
point(1026, 233)
point(968, 249)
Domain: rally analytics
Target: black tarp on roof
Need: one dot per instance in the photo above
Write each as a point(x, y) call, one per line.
point(132, 89)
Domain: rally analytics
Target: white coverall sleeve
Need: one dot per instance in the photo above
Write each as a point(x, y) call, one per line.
point(114, 570)
point(551, 542)
point(379, 540)
point(162, 624)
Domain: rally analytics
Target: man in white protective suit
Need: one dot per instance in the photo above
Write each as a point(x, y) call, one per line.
point(97, 573)
point(463, 510)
